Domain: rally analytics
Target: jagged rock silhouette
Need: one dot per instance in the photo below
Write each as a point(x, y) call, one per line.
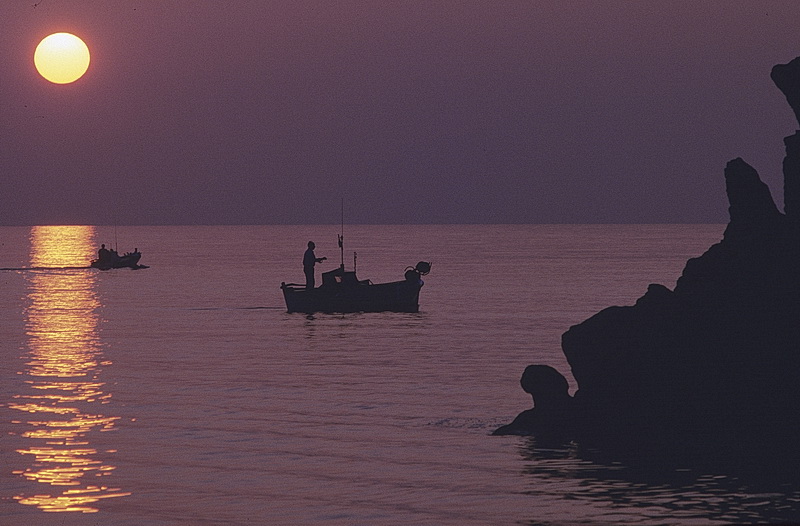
point(718, 357)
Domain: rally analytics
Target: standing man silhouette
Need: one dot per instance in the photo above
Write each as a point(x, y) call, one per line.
point(103, 254)
point(309, 260)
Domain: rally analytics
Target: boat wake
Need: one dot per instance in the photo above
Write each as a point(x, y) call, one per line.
point(39, 269)
point(46, 269)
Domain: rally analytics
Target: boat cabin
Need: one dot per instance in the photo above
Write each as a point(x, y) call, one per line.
point(340, 276)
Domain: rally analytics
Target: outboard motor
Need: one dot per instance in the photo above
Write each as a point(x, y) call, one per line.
point(414, 273)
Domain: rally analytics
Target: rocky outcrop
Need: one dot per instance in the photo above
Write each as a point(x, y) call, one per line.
point(718, 356)
point(554, 408)
point(787, 78)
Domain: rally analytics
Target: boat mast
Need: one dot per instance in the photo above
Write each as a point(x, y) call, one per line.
point(341, 238)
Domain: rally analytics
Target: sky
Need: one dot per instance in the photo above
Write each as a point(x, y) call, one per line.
point(412, 112)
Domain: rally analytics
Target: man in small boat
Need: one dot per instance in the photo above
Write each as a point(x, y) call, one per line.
point(103, 254)
point(309, 260)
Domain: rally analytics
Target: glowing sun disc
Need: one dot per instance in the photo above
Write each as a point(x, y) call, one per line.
point(61, 58)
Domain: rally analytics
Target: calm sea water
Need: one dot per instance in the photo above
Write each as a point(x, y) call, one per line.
point(185, 394)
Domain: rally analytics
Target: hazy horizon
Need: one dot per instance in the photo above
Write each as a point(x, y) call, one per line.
point(336, 224)
point(266, 113)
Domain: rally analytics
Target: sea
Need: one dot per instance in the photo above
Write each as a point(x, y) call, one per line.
point(185, 394)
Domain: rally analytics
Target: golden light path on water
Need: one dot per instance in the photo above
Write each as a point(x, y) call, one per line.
point(65, 397)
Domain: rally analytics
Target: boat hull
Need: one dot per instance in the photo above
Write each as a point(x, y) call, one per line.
point(397, 296)
point(130, 260)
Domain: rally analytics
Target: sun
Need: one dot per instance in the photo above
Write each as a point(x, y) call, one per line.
point(61, 58)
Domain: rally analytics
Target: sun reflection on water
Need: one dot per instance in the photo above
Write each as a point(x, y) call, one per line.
point(64, 395)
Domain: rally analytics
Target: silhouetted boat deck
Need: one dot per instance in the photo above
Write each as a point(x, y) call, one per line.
point(342, 291)
point(114, 260)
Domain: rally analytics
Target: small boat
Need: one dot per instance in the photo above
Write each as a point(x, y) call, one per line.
point(114, 260)
point(342, 291)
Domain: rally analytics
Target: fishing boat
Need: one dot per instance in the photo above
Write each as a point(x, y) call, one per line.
point(342, 291)
point(110, 259)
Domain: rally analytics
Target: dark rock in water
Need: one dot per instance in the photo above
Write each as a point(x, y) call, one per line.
point(553, 406)
point(787, 78)
point(791, 178)
point(752, 209)
point(715, 360)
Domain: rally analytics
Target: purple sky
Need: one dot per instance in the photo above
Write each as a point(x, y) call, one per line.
point(269, 112)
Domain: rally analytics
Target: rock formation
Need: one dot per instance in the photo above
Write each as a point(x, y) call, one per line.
point(787, 78)
point(718, 356)
point(553, 410)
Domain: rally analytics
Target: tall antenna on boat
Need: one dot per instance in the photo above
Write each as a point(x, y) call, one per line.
point(341, 237)
point(114, 216)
